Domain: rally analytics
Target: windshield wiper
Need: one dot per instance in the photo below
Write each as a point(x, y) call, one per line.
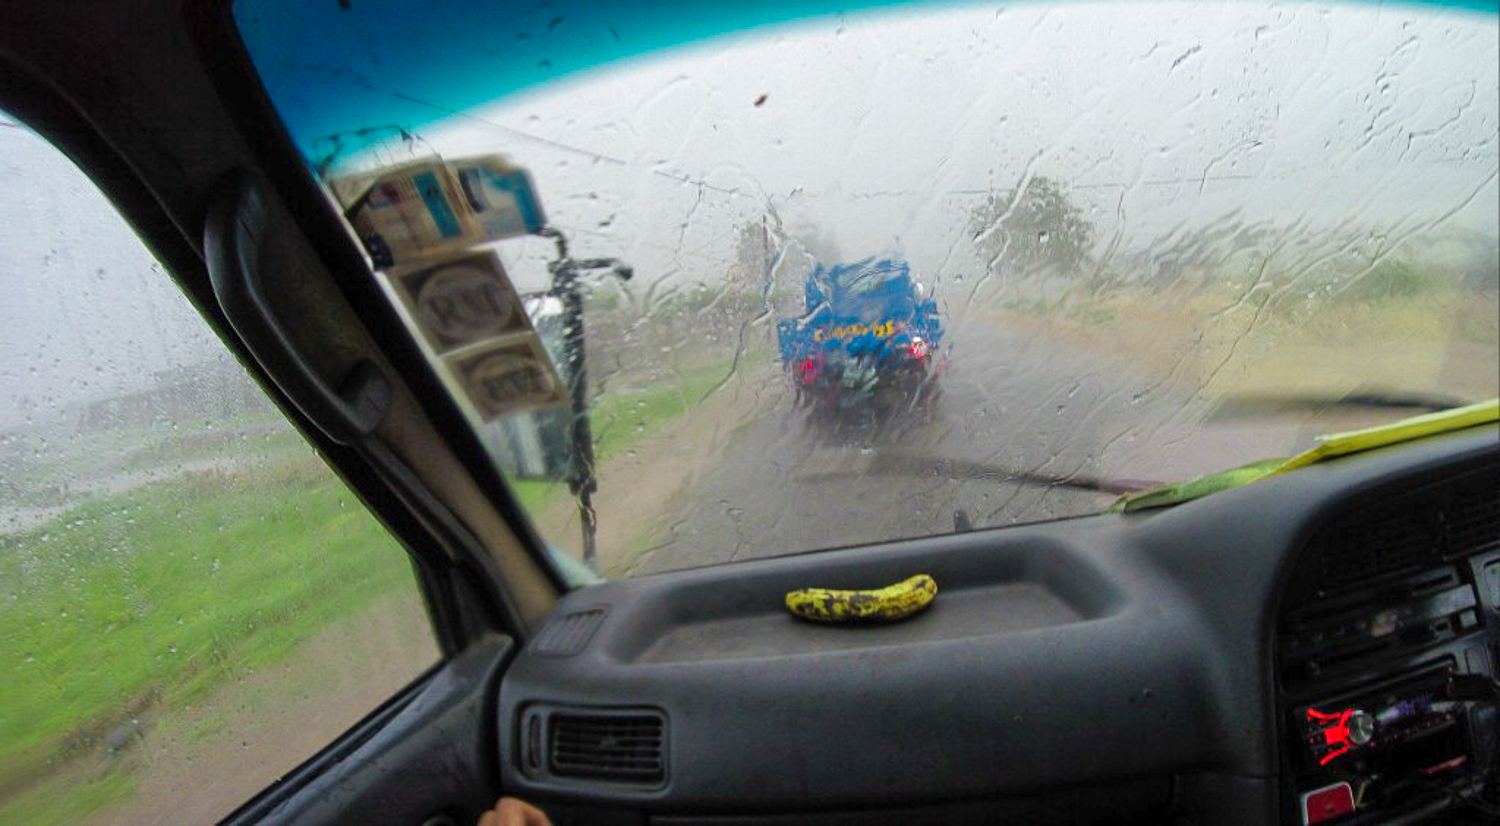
point(1137, 494)
point(1264, 405)
point(903, 463)
point(1328, 447)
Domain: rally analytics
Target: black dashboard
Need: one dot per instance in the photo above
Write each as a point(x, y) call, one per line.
point(1199, 663)
point(1382, 627)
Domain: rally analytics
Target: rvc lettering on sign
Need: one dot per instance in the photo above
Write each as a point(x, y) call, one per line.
point(508, 377)
point(467, 310)
point(462, 302)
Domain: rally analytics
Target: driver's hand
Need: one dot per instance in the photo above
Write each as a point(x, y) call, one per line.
point(510, 811)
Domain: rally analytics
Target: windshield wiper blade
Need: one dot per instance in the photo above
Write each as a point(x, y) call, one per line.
point(1328, 447)
point(1264, 405)
point(902, 463)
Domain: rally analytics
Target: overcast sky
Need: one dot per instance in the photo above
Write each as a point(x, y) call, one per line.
point(87, 312)
point(884, 131)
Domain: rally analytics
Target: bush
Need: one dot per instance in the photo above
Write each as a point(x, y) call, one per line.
point(1391, 279)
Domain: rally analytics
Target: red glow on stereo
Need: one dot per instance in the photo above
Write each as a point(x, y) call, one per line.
point(1335, 730)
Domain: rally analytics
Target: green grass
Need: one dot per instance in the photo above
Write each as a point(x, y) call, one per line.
point(619, 421)
point(535, 497)
point(155, 597)
point(129, 605)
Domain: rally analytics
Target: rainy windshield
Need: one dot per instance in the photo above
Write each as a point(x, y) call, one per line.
point(861, 283)
point(873, 275)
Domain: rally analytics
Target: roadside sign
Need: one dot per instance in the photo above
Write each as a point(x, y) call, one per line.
point(462, 301)
point(507, 376)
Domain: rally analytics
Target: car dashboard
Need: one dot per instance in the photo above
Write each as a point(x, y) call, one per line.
point(1290, 651)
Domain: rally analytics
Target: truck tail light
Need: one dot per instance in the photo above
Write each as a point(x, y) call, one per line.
point(807, 369)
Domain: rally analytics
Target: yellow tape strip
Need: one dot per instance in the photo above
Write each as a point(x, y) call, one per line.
point(1416, 427)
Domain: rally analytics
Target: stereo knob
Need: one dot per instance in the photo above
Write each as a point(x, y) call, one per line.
point(1361, 728)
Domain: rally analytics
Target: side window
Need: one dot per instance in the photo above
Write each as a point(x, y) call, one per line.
point(191, 603)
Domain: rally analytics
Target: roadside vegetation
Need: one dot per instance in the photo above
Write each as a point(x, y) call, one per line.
point(1411, 323)
point(1232, 307)
point(132, 604)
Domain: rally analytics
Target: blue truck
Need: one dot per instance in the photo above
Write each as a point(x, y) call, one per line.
point(867, 345)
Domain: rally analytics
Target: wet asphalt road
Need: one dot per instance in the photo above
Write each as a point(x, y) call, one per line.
point(1024, 426)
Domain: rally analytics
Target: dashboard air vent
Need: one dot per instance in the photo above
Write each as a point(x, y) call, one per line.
point(1448, 520)
point(618, 746)
point(1473, 516)
point(567, 635)
point(1403, 537)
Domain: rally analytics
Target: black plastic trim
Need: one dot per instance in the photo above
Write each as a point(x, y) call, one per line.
point(232, 238)
point(1158, 663)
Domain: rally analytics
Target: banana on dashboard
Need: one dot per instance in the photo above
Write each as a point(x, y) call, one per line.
point(893, 602)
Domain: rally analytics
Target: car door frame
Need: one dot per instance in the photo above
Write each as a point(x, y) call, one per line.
point(122, 176)
point(465, 590)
